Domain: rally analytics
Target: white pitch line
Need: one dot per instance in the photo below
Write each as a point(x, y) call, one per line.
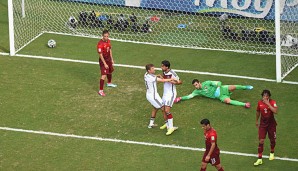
point(142, 67)
point(136, 142)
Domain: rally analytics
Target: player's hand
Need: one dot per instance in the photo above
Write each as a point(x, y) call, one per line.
point(257, 124)
point(266, 101)
point(106, 66)
point(112, 61)
point(207, 158)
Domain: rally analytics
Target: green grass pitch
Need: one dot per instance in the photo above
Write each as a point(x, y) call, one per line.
point(61, 97)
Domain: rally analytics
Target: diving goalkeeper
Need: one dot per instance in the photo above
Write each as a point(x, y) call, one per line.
point(214, 90)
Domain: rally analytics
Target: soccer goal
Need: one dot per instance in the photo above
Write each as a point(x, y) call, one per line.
point(245, 26)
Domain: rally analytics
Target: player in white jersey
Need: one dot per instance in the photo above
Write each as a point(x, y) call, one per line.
point(169, 94)
point(152, 94)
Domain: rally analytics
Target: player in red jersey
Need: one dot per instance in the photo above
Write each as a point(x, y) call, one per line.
point(212, 152)
point(266, 109)
point(106, 61)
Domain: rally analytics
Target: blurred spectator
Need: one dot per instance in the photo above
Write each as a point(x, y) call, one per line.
point(72, 22)
point(146, 27)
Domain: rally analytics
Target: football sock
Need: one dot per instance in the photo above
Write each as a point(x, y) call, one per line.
point(272, 145)
point(109, 76)
point(260, 150)
point(203, 169)
point(170, 120)
point(237, 103)
point(221, 169)
point(170, 123)
point(101, 83)
point(151, 121)
point(240, 87)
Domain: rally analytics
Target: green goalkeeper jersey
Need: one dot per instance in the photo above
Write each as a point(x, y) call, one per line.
point(208, 90)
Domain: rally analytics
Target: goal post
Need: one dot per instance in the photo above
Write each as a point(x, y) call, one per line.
point(11, 28)
point(246, 26)
point(277, 42)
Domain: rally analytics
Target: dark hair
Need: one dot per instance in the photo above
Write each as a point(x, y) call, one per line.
point(166, 63)
point(149, 66)
point(195, 81)
point(105, 32)
point(266, 92)
point(205, 122)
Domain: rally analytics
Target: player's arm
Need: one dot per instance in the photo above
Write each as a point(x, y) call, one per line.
point(192, 95)
point(103, 60)
point(272, 108)
point(111, 54)
point(210, 152)
point(258, 114)
point(163, 80)
point(216, 83)
point(176, 82)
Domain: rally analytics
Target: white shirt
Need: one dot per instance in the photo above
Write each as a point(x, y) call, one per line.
point(168, 87)
point(150, 83)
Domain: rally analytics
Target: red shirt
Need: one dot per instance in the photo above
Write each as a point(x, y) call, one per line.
point(210, 137)
point(104, 48)
point(267, 116)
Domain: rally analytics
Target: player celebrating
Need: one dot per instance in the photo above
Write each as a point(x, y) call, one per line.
point(105, 61)
point(152, 94)
point(212, 152)
point(214, 90)
point(266, 109)
point(169, 94)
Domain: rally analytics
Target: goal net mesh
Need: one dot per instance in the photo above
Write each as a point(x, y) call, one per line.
point(229, 25)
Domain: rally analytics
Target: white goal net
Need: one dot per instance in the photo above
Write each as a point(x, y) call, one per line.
point(229, 25)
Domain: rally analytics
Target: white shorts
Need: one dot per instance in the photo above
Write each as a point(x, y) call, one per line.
point(155, 100)
point(168, 99)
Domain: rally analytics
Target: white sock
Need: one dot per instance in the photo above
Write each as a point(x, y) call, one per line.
point(151, 121)
point(170, 123)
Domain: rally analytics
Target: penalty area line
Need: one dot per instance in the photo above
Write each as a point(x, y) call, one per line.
point(135, 142)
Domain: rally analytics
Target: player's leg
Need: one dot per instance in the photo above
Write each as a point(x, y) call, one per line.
point(165, 119)
point(240, 87)
point(157, 103)
point(101, 82)
point(204, 163)
point(152, 118)
point(262, 136)
point(203, 166)
point(109, 76)
point(219, 167)
point(272, 138)
point(215, 160)
point(228, 100)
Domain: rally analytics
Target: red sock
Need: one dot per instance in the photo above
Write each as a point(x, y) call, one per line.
point(101, 83)
point(109, 76)
point(203, 169)
point(272, 145)
point(169, 115)
point(260, 150)
point(221, 169)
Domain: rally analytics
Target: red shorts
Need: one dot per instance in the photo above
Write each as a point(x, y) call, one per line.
point(214, 158)
point(105, 71)
point(271, 129)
